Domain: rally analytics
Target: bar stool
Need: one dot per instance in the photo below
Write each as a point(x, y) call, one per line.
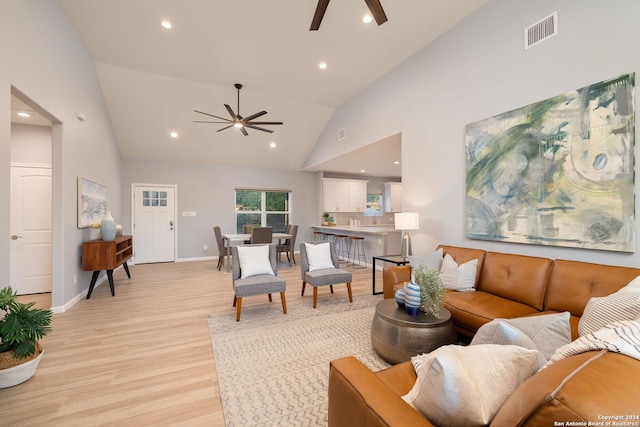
point(318, 235)
point(342, 247)
point(354, 240)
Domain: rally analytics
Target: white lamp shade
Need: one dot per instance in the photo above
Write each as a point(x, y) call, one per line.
point(407, 221)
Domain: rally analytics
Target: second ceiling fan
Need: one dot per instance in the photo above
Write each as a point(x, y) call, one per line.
point(374, 7)
point(237, 121)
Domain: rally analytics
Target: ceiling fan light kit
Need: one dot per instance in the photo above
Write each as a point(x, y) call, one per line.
point(374, 7)
point(237, 121)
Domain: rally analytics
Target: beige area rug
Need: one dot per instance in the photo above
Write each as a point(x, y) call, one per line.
point(273, 369)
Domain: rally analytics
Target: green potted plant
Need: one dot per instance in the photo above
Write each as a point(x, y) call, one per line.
point(21, 327)
point(431, 289)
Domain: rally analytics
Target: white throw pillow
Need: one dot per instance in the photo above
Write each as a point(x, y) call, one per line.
point(432, 261)
point(319, 256)
point(254, 260)
point(632, 286)
point(600, 311)
point(466, 386)
point(458, 277)
point(545, 333)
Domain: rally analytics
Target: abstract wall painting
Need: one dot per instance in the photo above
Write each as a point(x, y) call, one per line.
point(557, 172)
point(92, 202)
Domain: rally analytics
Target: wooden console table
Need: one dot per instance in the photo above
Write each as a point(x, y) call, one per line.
point(106, 255)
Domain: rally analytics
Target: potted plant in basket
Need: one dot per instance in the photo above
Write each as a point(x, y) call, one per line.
point(21, 326)
point(431, 289)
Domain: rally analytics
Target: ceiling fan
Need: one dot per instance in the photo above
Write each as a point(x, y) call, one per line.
point(374, 7)
point(237, 121)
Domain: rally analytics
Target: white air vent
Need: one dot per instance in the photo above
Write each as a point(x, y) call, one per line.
point(541, 30)
point(342, 134)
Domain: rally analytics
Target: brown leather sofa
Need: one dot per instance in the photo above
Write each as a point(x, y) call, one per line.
point(585, 388)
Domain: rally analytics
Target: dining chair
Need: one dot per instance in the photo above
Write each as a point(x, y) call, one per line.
point(255, 272)
point(288, 246)
point(261, 235)
point(321, 269)
point(222, 250)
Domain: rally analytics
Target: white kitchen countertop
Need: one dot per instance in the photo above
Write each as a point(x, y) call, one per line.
point(364, 229)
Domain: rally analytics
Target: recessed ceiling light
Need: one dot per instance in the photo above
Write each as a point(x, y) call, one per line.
point(272, 145)
point(362, 171)
point(24, 114)
point(322, 65)
point(166, 24)
point(174, 134)
point(396, 162)
point(367, 18)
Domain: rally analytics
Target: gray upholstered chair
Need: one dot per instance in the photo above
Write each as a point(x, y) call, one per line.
point(261, 235)
point(222, 250)
point(289, 245)
point(259, 284)
point(323, 276)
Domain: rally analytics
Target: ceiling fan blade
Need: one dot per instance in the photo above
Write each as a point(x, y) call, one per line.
point(204, 121)
point(264, 123)
point(254, 116)
point(207, 114)
point(377, 11)
point(321, 8)
point(226, 127)
point(259, 128)
point(233, 115)
point(244, 131)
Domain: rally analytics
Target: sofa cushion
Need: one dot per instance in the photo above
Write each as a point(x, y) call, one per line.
point(543, 333)
point(471, 310)
point(462, 255)
point(516, 277)
point(601, 311)
point(432, 260)
point(587, 281)
point(458, 277)
point(465, 386)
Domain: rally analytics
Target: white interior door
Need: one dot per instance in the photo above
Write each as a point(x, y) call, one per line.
point(30, 218)
point(153, 224)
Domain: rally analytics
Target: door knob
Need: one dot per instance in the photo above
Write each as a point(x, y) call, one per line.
point(16, 237)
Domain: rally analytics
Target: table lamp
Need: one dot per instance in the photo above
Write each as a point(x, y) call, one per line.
point(406, 221)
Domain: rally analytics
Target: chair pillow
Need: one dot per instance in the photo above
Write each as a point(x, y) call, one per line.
point(600, 311)
point(254, 260)
point(458, 277)
point(467, 385)
point(545, 333)
point(319, 256)
point(432, 261)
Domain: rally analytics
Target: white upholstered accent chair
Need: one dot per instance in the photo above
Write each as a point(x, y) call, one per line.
point(322, 269)
point(256, 279)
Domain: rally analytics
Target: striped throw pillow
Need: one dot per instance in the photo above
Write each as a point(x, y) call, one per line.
point(601, 311)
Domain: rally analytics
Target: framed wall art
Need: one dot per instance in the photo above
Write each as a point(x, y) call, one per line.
point(557, 172)
point(92, 202)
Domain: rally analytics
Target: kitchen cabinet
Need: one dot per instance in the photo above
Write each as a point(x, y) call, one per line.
point(342, 195)
point(393, 197)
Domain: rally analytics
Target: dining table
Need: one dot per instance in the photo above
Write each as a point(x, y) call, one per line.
point(230, 239)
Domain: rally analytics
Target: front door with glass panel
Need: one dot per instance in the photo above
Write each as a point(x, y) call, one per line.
point(154, 224)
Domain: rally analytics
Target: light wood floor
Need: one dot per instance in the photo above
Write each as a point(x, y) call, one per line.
point(143, 357)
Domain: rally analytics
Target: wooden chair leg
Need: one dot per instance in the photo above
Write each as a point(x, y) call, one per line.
point(270, 300)
point(293, 257)
point(349, 291)
point(331, 287)
point(235, 299)
point(303, 285)
point(238, 309)
point(284, 302)
point(315, 296)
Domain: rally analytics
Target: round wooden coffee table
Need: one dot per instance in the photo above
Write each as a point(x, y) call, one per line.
point(397, 337)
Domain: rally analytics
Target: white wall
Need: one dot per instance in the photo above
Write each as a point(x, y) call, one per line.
point(30, 144)
point(476, 70)
point(209, 190)
point(43, 58)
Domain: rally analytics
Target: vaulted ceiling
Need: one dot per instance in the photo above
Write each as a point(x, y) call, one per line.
point(153, 78)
